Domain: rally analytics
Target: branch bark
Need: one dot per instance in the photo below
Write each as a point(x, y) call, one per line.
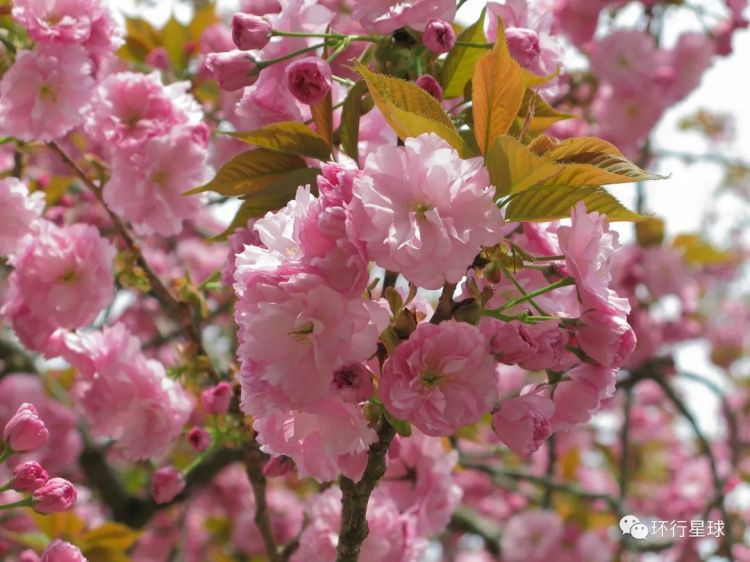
point(255, 459)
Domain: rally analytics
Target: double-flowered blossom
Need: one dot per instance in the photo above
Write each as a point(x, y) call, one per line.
point(386, 16)
point(88, 23)
point(28, 477)
point(55, 495)
point(166, 483)
point(43, 94)
point(523, 422)
point(309, 79)
point(19, 213)
point(125, 396)
point(423, 211)
point(62, 279)
point(441, 378)
point(25, 431)
point(61, 551)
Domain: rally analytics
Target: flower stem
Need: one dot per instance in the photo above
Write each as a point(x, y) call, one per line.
point(21, 503)
point(6, 454)
point(474, 45)
point(528, 296)
point(267, 63)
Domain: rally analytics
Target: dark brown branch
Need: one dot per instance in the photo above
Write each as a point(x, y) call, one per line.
point(14, 359)
point(467, 520)
point(254, 461)
point(444, 307)
point(356, 495)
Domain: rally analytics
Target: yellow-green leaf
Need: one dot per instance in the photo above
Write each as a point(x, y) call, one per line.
point(498, 88)
point(546, 203)
point(513, 167)
point(109, 536)
point(459, 65)
point(66, 525)
point(699, 252)
point(322, 114)
point(350, 114)
point(593, 161)
point(290, 137)
point(140, 39)
point(544, 114)
point(409, 110)
point(258, 171)
point(174, 36)
point(204, 17)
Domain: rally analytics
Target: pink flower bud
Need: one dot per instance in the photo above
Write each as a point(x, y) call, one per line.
point(25, 431)
point(523, 45)
point(166, 483)
point(28, 477)
point(309, 79)
point(216, 400)
point(28, 556)
point(523, 423)
point(158, 58)
point(56, 495)
point(199, 439)
point(278, 466)
point(353, 383)
point(431, 86)
point(439, 36)
point(233, 69)
point(61, 551)
point(250, 32)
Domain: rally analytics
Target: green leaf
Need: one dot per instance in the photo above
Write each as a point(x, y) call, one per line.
point(544, 114)
point(551, 202)
point(459, 65)
point(290, 137)
point(258, 171)
point(351, 112)
point(409, 110)
point(109, 536)
point(174, 36)
point(699, 252)
point(322, 114)
point(513, 167)
point(600, 160)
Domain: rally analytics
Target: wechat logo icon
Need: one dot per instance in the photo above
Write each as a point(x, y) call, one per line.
point(631, 525)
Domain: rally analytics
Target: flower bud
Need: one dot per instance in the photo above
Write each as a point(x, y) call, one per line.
point(199, 439)
point(216, 400)
point(28, 477)
point(250, 32)
point(232, 69)
point(439, 36)
point(278, 466)
point(25, 431)
point(56, 495)
point(158, 58)
point(261, 7)
point(28, 556)
point(166, 483)
point(309, 79)
point(431, 86)
point(61, 551)
point(523, 45)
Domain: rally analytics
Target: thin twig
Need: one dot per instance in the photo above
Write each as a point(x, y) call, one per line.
point(254, 461)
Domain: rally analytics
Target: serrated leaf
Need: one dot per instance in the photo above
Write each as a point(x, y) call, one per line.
point(257, 171)
point(546, 203)
point(459, 65)
point(409, 110)
point(350, 116)
point(290, 137)
point(498, 87)
point(513, 167)
point(322, 114)
point(174, 36)
point(109, 536)
point(544, 114)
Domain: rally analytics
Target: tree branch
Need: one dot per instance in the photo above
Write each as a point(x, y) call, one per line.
point(254, 461)
point(356, 495)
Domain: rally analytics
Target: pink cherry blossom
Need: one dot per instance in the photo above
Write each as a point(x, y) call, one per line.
point(250, 32)
point(386, 16)
point(441, 378)
point(294, 333)
point(625, 58)
point(324, 440)
point(233, 70)
point(28, 476)
point(166, 483)
point(578, 396)
point(439, 36)
point(55, 495)
point(148, 181)
point(431, 86)
point(25, 431)
point(129, 108)
point(550, 341)
point(523, 422)
point(391, 538)
point(42, 95)
point(510, 342)
point(531, 535)
point(62, 279)
point(125, 396)
point(309, 79)
point(588, 245)
point(419, 479)
point(577, 19)
point(424, 212)
point(690, 59)
point(19, 213)
point(606, 338)
point(88, 23)
point(216, 399)
point(309, 234)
